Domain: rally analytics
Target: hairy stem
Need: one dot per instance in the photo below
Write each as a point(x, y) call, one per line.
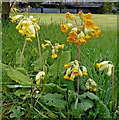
point(22, 54)
point(113, 92)
point(78, 76)
point(39, 51)
point(79, 53)
point(39, 56)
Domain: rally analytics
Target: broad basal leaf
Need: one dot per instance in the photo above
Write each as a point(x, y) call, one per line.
point(19, 77)
point(55, 100)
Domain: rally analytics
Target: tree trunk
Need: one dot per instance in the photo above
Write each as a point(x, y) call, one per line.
point(5, 10)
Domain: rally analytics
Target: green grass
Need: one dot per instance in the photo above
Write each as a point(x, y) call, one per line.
point(102, 20)
point(95, 50)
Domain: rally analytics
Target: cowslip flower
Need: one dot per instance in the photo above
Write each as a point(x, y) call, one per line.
point(66, 76)
point(72, 77)
point(89, 24)
point(73, 34)
point(82, 31)
point(14, 18)
point(84, 71)
point(55, 48)
point(40, 76)
point(97, 33)
point(68, 15)
point(28, 39)
point(102, 63)
point(95, 27)
point(54, 55)
point(66, 66)
point(33, 19)
point(64, 28)
point(80, 14)
point(88, 16)
point(87, 37)
point(43, 46)
point(80, 41)
point(105, 65)
point(91, 85)
point(70, 39)
point(26, 26)
point(73, 70)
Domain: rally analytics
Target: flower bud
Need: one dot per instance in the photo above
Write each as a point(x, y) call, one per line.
point(68, 71)
point(74, 29)
point(40, 76)
point(54, 55)
point(66, 66)
point(69, 25)
point(72, 77)
point(80, 73)
point(76, 62)
point(88, 31)
point(81, 35)
point(84, 71)
point(47, 41)
point(66, 77)
point(53, 51)
point(102, 63)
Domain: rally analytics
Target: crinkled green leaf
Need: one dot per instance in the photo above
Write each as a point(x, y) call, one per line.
point(90, 95)
point(19, 77)
point(22, 70)
point(86, 103)
point(55, 100)
point(77, 109)
point(21, 92)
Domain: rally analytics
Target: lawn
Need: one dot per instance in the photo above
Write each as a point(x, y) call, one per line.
point(95, 50)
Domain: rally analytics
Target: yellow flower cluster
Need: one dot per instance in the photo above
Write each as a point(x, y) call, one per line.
point(91, 85)
point(40, 76)
point(73, 70)
point(26, 26)
point(80, 32)
point(55, 49)
point(105, 65)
